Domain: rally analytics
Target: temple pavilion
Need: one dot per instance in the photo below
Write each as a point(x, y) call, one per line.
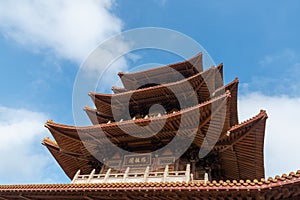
point(141, 165)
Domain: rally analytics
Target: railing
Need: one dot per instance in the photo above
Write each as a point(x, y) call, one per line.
point(134, 177)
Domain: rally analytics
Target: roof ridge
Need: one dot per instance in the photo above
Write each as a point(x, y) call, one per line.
point(261, 114)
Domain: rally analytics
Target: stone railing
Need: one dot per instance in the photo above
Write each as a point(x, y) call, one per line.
point(134, 177)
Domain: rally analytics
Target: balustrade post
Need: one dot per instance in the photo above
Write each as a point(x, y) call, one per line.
point(106, 175)
point(187, 172)
point(126, 174)
point(146, 174)
point(91, 176)
point(76, 176)
point(166, 173)
point(205, 177)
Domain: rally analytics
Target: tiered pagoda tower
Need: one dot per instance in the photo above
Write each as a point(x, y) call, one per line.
point(238, 153)
point(233, 167)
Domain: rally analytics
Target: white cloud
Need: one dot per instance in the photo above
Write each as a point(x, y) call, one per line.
point(23, 158)
point(282, 131)
point(69, 29)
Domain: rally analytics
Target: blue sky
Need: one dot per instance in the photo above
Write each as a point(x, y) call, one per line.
point(42, 45)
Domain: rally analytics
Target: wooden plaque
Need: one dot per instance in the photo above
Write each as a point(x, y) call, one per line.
point(137, 160)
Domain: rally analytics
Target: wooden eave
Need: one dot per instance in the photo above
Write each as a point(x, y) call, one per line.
point(95, 117)
point(233, 88)
point(186, 68)
point(242, 149)
point(160, 94)
point(68, 161)
point(117, 90)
